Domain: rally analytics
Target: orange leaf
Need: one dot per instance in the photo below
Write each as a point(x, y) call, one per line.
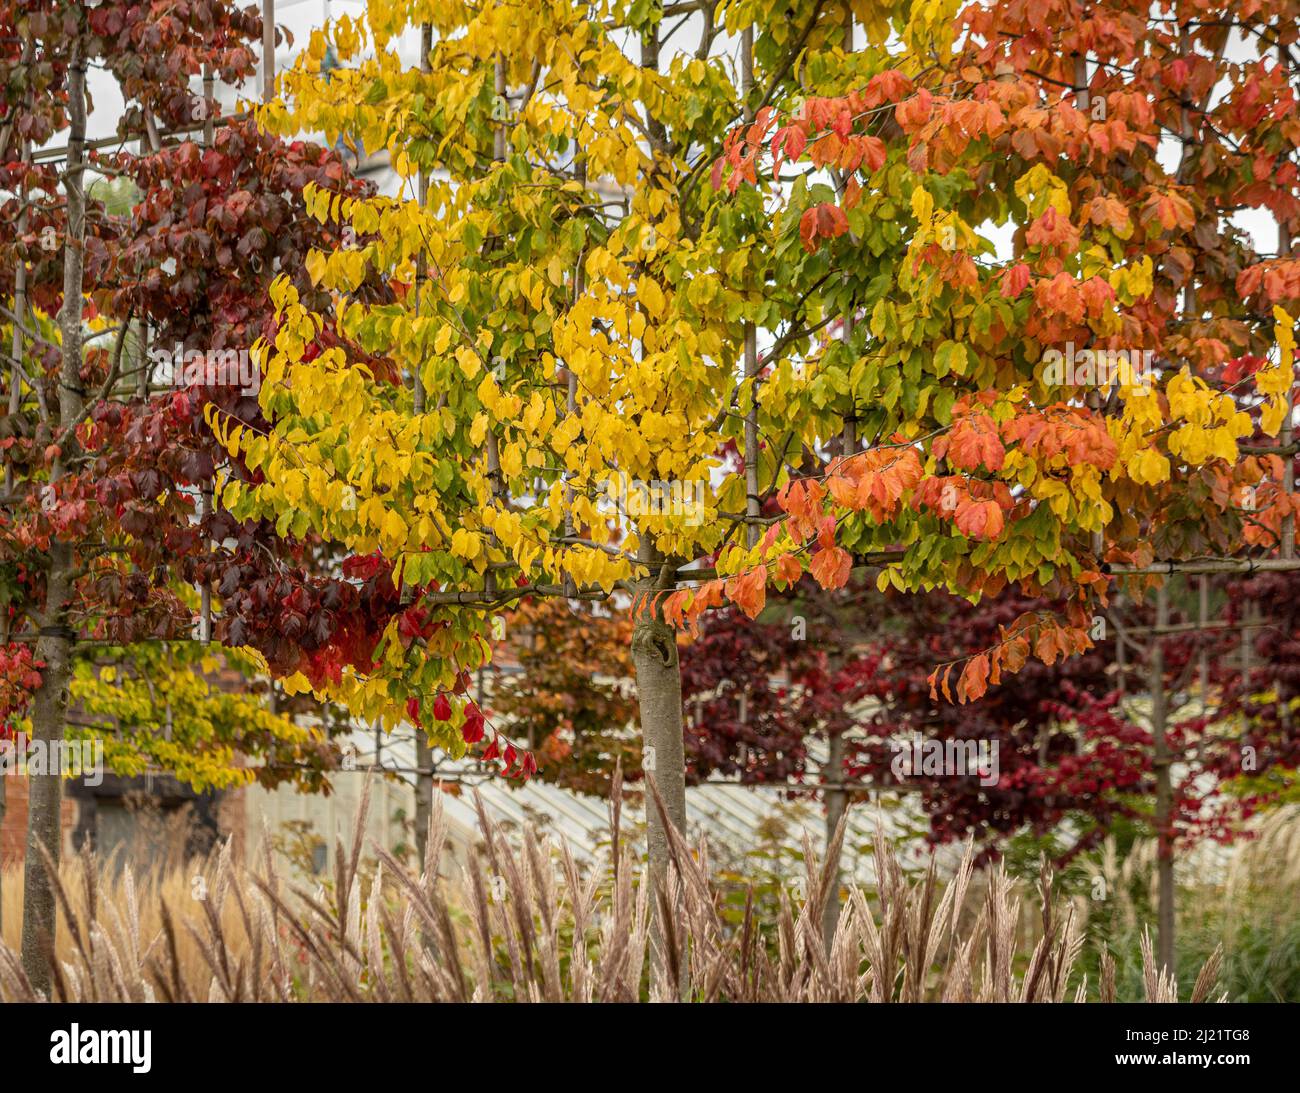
point(788, 569)
point(843, 492)
point(831, 566)
point(974, 679)
point(980, 519)
point(974, 440)
point(1015, 653)
point(1047, 646)
point(749, 591)
point(1014, 280)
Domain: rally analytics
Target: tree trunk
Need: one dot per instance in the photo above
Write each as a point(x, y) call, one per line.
point(423, 793)
point(268, 50)
point(659, 696)
point(54, 649)
point(837, 803)
point(659, 675)
point(45, 791)
point(1164, 795)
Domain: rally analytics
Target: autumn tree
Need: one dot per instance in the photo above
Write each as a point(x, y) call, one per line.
point(112, 547)
point(584, 281)
point(561, 359)
point(1066, 480)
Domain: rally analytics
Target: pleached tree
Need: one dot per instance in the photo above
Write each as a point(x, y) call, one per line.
point(608, 272)
point(116, 566)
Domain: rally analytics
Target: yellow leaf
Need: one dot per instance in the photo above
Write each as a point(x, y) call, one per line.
point(393, 531)
point(316, 266)
point(1149, 467)
point(468, 361)
point(488, 394)
point(922, 204)
point(651, 295)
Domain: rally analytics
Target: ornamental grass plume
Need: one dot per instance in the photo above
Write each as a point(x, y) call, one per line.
point(523, 920)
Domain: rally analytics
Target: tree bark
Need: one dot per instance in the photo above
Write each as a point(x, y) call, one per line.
point(423, 793)
point(659, 696)
point(837, 803)
point(1164, 795)
point(753, 502)
point(45, 791)
point(54, 648)
point(268, 50)
point(659, 678)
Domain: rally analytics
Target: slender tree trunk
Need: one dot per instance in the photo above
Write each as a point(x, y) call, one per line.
point(54, 648)
point(837, 803)
point(659, 695)
point(753, 502)
point(423, 793)
point(1164, 794)
point(658, 672)
point(268, 50)
point(45, 791)
point(837, 800)
point(20, 317)
point(423, 753)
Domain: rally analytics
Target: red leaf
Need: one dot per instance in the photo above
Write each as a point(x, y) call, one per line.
point(788, 143)
point(873, 153)
point(808, 229)
point(824, 221)
point(472, 730)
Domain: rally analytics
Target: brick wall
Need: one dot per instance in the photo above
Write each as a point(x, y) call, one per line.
point(13, 828)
